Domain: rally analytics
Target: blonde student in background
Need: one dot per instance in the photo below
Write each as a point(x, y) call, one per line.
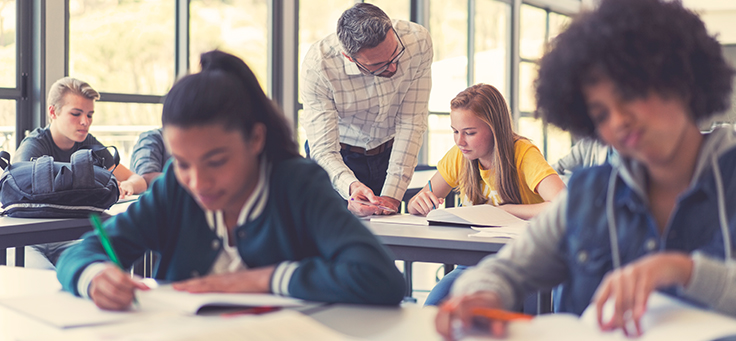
point(71, 110)
point(236, 210)
point(490, 164)
point(640, 75)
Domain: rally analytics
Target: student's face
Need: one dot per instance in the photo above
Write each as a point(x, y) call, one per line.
point(218, 167)
point(648, 129)
point(74, 117)
point(383, 56)
point(472, 136)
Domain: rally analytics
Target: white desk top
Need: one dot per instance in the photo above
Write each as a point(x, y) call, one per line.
point(365, 322)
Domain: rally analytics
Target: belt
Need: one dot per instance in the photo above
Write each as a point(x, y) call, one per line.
point(371, 152)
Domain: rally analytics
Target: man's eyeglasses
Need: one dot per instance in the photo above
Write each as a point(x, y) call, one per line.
point(385, 66)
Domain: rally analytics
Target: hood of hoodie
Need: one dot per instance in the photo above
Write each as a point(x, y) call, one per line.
point(715, 143)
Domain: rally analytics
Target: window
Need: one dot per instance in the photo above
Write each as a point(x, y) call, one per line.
point(239, 27)
point(489, 60)
point(538, 26)
point(9, 66)
point(123, 47)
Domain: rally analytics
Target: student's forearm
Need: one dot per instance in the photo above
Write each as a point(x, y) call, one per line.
point(138, 182)
point(149, 177)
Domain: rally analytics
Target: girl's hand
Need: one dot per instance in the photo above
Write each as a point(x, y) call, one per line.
point(630, 287)
point(252, 281)
point(458, 310)
point(113, 289)
point(424, 202)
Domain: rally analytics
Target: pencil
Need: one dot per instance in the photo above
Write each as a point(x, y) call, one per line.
point(429, 182)
point(500, 315)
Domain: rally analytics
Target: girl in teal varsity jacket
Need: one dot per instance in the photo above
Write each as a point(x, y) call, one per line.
point(237, 209)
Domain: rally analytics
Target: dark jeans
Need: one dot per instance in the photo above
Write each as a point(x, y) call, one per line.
point(370, 170)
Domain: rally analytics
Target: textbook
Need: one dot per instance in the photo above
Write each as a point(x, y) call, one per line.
point(166, 298)
point(667, 318)
point(477, 215)
point(466, 216)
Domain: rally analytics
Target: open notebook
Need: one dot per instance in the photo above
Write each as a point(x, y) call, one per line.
point(666, 319)
point(466, 216)
point(63, 310)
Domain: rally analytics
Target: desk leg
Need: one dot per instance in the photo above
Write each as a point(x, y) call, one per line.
point(407, 278)
point(544, 302)
point(20, 255)
point(449, 268)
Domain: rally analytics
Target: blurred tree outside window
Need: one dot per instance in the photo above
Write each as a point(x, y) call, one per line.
point(239, 27)
point(123, 47)
point(538, 27)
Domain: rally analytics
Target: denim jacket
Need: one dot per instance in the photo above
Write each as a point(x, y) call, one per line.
point(571, 244)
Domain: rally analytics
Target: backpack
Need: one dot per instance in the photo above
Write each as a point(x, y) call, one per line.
point(43, 188)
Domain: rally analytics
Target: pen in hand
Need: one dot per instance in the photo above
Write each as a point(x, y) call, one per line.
point(364, 202)
point(430, 191)
point(106, 243)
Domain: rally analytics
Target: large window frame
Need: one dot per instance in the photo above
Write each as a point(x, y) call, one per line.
point(39, 65)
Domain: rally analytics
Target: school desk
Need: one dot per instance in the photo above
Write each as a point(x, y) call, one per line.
point(666, 319)
point(19, 232)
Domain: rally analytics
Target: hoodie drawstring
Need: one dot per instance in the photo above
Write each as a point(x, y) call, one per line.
point(722, 209)
point(611, 219)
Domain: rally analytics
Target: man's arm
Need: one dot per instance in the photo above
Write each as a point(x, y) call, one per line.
point(411, 124)
point(148, 157)
point(320, 121)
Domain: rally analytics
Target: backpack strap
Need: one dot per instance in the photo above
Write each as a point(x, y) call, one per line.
point(99, 156)
point(43, 175)
point(4, 159)
point(83, 173)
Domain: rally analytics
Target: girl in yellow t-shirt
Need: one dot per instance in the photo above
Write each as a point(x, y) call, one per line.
point(489, 164)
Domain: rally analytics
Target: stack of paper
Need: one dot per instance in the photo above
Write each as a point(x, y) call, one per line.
point(478, 215)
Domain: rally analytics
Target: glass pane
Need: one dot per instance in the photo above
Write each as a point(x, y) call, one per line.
point(557, 24)
point(318, 19)
point(396, 9)
point(719, 18)
point(120, 124)
point(448, 24)
point(492, 44)
point(533, 28)
point(123, 46)
point(239, 27)
point(527, 75)
point(558, 143)
point(440, 137)
point(531, 128)
point(7, 125)
point(7, 44)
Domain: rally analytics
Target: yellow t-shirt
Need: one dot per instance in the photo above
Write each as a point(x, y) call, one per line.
point(530, 165)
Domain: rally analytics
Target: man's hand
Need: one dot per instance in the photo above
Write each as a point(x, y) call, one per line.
point(361, 193)
point(251, 281)
point(113, 289)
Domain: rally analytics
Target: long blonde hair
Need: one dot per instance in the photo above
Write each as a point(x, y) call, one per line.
point(487, 103)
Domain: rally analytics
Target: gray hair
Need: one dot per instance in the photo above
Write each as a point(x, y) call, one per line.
point(69, 85)
point(363, 25)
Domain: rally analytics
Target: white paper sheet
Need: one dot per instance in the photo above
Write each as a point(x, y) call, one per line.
point(408, 219)
point(478, 215)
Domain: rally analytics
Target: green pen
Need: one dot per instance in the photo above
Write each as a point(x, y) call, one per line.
point(430, 190)
point(105, 240)
point(106, 244)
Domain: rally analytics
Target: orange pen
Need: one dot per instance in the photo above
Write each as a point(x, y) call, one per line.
point(500, 315)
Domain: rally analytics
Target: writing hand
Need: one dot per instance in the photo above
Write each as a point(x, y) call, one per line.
point(113, 289)
point(424, 202)
point(253, 281)
point(460, 309)
point(630, 287)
